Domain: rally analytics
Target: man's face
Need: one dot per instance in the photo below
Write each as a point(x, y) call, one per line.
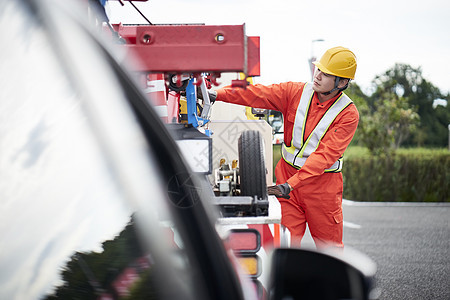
point(323, 82)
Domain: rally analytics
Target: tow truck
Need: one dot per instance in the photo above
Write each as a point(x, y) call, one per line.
point(177, 64)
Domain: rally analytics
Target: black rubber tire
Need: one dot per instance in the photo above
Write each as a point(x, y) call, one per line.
point(252, 167)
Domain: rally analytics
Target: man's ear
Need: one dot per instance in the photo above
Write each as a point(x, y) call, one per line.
point(343, 82)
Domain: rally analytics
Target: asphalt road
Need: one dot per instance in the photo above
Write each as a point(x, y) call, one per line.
point(410, 244)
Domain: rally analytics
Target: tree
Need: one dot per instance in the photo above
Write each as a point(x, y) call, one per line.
point(408, 83)
point(384, 130)
point(385, 124)
point(89, 274)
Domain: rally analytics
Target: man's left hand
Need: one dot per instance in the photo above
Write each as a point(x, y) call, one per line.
point(280, 190)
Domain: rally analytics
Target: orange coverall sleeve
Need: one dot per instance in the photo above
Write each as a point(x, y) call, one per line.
point(331, 148)
point(275, 97)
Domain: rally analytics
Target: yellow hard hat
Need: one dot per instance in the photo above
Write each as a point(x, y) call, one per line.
point(338, 61)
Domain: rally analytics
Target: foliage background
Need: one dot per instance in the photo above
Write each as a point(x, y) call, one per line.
point(411, 175)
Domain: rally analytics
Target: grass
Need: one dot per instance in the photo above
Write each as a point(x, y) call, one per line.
point(356, 151)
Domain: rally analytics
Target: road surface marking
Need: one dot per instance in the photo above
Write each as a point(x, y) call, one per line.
point(351, 225)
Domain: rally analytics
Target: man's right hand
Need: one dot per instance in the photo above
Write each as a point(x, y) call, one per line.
point(212, 95)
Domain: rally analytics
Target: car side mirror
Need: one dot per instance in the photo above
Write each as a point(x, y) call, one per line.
point(309, 274)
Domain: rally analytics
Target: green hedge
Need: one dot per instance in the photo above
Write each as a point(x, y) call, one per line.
point(411, 175)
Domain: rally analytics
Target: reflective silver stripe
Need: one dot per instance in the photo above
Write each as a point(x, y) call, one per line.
point(321, 128)
point(300, 161)
point(298, 130)
point(299, 151)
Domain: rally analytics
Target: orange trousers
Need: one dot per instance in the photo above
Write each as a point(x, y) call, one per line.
point(318, 203)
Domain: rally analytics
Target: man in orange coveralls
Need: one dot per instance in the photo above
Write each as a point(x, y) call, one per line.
point(319, 124)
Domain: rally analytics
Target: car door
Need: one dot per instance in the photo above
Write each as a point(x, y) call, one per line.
point(96, 200)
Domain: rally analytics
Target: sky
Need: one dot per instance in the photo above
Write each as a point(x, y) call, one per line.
point(380, 33)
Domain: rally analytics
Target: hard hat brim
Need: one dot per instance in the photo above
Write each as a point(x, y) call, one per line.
point(323, 68)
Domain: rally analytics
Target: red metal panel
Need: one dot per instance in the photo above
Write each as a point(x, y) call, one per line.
point(126, 32)
point(189, 48)
point(253, 46)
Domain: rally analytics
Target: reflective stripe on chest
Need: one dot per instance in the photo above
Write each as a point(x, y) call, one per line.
point(302, 148)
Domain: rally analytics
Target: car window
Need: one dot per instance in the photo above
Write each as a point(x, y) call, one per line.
point(77, 178)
